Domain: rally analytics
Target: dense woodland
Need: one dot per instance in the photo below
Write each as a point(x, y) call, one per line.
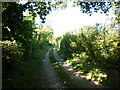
point(93, 49)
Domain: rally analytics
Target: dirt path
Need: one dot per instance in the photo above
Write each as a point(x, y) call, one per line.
point(49, 76)
point(76, 76)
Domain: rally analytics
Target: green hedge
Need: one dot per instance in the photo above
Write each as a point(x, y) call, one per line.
point(12, 53)
point(92, 46)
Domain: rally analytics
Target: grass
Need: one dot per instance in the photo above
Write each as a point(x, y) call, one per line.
point(61, 72)
point(26, 74)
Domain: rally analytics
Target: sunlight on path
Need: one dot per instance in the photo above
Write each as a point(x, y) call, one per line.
point(77, 77)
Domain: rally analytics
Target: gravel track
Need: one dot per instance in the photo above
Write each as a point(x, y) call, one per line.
point(49, 76)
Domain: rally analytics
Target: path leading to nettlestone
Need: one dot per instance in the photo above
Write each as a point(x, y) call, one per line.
point(49, 78)
point(77, 80)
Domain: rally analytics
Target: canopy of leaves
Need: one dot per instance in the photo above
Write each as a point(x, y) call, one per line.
point(90, 7)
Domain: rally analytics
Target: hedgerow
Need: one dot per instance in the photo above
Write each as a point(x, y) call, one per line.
point(12, 53)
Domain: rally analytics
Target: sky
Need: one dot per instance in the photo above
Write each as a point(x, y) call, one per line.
point(62, 21)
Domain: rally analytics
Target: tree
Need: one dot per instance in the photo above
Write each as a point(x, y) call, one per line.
point(12, 17)
point(16, 27)
point(90, 7)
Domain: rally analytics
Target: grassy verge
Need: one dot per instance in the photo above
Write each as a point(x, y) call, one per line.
point(61, 72)
point(26, 74)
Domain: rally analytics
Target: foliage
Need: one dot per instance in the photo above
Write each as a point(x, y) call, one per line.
point(16, 27)
point(43, 35)
point(92, 46)
point(56, 42)
point(95, 45)
point(12, 54)
point(66, 42)
point(22, 28)
point(40, 8)
point(89, 7)
point(11, 20)
point(88, 46)
point(25, 37)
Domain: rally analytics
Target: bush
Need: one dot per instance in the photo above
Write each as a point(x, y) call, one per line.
point(92, 46)
point(12, 53)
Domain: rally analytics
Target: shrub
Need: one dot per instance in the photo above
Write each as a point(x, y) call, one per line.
point(12, 53)
point(92, 46)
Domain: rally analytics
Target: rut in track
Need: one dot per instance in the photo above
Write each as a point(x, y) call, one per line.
point(49, 78)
